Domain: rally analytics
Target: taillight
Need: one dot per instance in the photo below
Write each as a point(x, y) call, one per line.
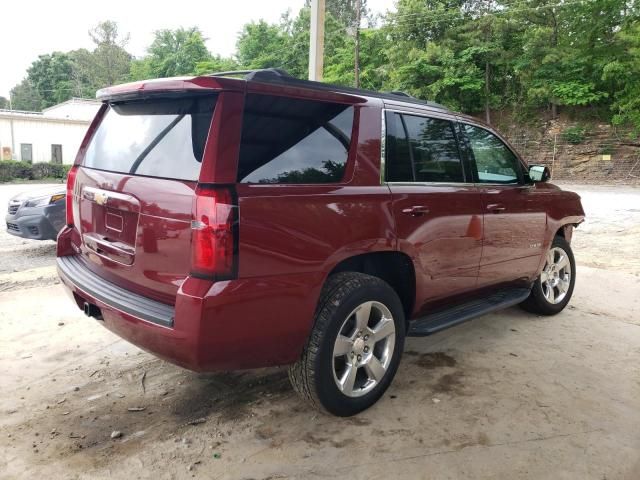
point(213, 233)
point(71, 180)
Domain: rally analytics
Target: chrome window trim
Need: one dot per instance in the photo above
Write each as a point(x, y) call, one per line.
point(432, 184)
point(383, 147)
point(383, 152)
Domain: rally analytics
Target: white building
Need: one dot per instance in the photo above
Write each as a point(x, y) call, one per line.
point(53, 135)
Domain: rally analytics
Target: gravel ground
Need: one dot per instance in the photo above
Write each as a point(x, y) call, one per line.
point(506, 396)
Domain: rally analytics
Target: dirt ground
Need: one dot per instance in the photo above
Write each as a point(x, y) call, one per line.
point(509, 395)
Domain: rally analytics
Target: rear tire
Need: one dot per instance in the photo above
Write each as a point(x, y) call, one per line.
point(354, 349)
point(552, 290)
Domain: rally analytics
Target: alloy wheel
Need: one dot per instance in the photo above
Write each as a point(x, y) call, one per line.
point(556, 275)
point(363, 349)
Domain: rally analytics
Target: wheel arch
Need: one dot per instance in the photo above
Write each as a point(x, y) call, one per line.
point(393, 267)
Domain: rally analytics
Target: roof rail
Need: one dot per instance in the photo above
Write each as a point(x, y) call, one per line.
point(400, 93)
point(280, 76)
point(260, 73)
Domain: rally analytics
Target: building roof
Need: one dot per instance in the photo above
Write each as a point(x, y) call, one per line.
point(73, 101)
point(38, 117)
point(74, 110)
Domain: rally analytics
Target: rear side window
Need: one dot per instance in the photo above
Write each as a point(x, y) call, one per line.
point(436, 157)
point(159, 138)
point(398, 161)
point(422, 149)
point(289, 140)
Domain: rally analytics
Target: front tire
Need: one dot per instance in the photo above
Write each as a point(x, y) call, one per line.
point(355, 346)
point(553, 289)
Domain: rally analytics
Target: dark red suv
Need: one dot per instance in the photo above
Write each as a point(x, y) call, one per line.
point(226, 223)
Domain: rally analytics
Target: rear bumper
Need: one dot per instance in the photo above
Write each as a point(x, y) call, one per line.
point(72, 271)
point(225, 325)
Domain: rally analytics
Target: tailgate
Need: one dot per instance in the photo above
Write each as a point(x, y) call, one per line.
point(133, 195)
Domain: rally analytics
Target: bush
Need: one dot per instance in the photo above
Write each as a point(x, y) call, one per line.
point(11, 170)
point(49, 170)
point(574, 135)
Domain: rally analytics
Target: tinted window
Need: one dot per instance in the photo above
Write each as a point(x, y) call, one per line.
point(495, 163)
point(434, 149)
point(398, 159)
point(163, 138)
point(288, 140)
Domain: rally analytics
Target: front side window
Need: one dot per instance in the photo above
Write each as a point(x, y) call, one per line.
point(495, 163)
point(290, 140)
point(422, 149)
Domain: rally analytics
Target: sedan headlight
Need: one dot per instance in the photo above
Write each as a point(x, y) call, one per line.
point(46, 200)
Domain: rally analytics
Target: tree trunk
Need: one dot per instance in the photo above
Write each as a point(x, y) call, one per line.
point(554, 111)
point(487, 111)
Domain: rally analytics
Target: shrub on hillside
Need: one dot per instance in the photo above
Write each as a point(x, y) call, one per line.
point(574, 135)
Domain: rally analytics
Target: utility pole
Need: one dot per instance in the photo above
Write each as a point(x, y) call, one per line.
point(357, 52)
point(316, 43)
point(13, 140)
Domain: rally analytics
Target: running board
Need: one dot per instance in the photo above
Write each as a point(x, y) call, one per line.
point(442, 319)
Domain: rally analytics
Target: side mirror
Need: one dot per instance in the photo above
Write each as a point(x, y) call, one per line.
point(539, 173)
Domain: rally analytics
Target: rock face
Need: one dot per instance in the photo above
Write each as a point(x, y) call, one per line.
point(585, 152)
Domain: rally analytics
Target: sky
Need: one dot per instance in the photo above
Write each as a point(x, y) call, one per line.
point(35, 27)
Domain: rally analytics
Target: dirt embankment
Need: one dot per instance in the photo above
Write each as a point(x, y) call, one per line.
point(577, 151)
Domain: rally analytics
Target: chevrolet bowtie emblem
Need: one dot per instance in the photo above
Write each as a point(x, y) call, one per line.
point(100, 198)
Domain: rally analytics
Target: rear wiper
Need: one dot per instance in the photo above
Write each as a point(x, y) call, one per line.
point(153, 143)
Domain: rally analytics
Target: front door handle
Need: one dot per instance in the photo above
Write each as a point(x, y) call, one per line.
point(416, 210)
point(496, 207)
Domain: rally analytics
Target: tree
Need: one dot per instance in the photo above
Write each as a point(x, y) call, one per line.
point(110, 60)
point(344, 11)
point(623, 73)
point(262, 45)
point(4, 103)
point(216, 64)
point(25, 96)
point(51, 76)
point(176, 52)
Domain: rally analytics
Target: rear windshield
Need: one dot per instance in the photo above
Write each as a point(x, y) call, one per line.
point(159, 138)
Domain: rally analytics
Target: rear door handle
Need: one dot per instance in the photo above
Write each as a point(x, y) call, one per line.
point(496, 207)
point(416, 210)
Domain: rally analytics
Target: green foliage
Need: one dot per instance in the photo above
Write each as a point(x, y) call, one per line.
point(216, 64)
point(471, 55)
point(176, 52)
point(51, 76)
point(109, 63)
point(11, 170)
point(574, 135)
point(4, 103)
point(261, 45)
point(42, 170)
point(24, 96)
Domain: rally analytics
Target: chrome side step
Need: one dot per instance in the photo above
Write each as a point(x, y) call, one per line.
point(449, 317)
